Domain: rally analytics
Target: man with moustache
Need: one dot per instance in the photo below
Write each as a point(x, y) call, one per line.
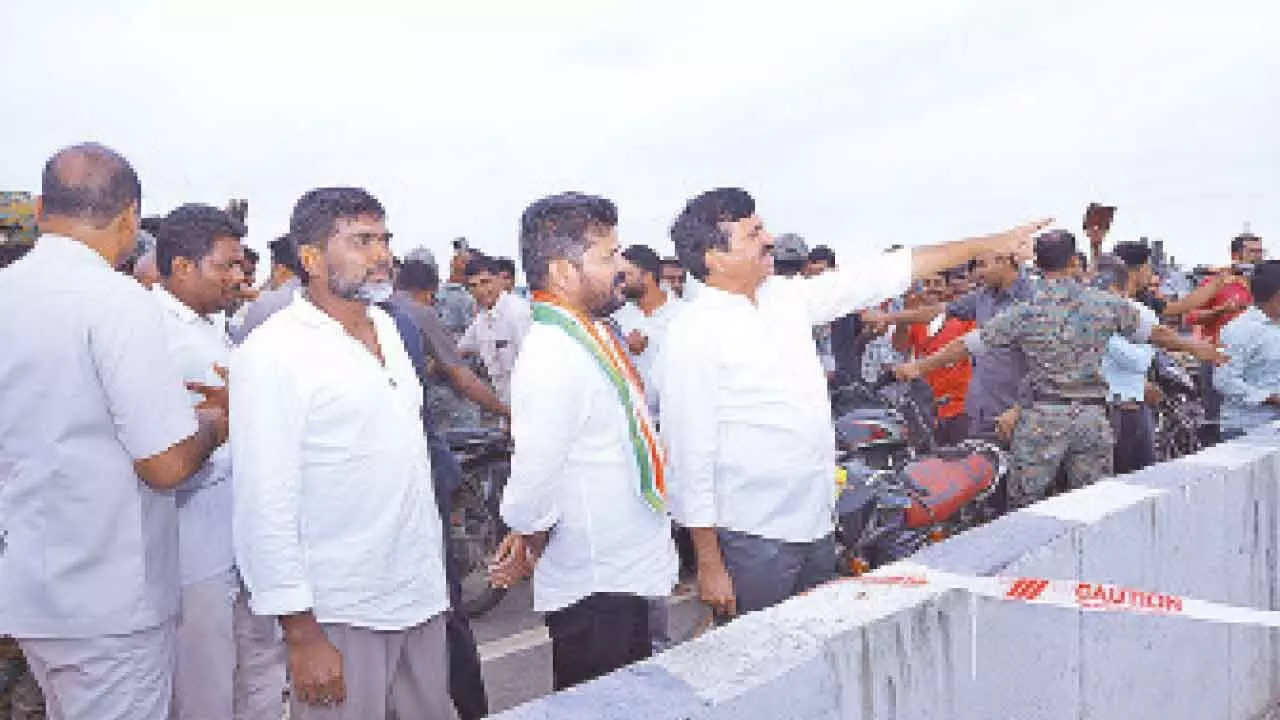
point(229, 662)
point(336, 526)
point(745, 410)
point(587, 472)
point(648, 312)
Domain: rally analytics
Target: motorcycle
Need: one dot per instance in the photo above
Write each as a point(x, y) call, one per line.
point(1180, 412)
point(898, 491)
point(476, 527)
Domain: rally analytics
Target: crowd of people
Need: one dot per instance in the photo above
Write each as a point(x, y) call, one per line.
point(211, 492)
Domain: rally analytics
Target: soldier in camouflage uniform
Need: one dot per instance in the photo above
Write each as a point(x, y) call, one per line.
point(1063, 333)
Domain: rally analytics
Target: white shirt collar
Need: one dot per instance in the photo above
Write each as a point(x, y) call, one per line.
point(309, 314)
point(72, 249)
point(171, 303)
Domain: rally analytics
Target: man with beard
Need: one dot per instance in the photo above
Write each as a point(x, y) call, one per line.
point(229, 661)
point(673, 276)
point(648, 312)
point(587, 473)
point(745, 409)
point(337, 532)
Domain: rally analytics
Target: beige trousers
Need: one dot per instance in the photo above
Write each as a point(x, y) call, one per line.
point(230, 662)
point(402, 674)
point(119, 677)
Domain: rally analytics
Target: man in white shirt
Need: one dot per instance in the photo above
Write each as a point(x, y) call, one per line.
point(501, 321)
point(95, 429)
point(644, 319)
point(586, 474)
point(230, 663)
point(336, 527)
point(745, 410)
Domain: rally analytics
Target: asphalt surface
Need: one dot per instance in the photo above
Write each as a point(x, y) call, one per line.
point(516, 652)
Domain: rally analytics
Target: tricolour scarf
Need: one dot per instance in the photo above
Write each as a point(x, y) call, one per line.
point(616, 365)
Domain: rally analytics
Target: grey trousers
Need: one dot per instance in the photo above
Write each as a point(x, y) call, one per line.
point(119, 677)
point(765, 572)
point(401, 674)
point(230, 662)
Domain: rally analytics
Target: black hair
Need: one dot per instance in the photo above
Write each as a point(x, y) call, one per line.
point(1054, 250)
point(643, 257)
point(478, 264)
point(11, 252)
point(190, 231)
point(1238, 242)
point(697, 229)
point(1265, 282)
point(505, 266)
point(91, 182)
point(316, 214)
point(416, 275)
point(251, 256)
point(1133, 254)
point(822, 253)
point(559, 228)
point(152, 224)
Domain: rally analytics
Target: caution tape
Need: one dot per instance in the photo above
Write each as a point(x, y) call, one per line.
point(1076, 594)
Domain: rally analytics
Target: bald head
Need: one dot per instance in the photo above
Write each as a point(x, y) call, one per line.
point(90, 183)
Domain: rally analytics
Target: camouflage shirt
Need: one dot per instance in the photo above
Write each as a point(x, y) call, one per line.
point(1063, 333)
point(456, 308)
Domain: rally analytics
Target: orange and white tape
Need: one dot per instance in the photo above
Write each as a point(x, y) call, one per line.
point(1077, 594)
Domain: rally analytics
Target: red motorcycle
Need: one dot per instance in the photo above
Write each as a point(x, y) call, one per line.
point(900, 491)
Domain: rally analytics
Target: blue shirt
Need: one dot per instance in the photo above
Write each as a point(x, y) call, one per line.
point(1252, 341)
point(1125, 363)
point(998, 376)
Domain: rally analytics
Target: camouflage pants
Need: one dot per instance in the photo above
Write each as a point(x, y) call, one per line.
point(1051, 438)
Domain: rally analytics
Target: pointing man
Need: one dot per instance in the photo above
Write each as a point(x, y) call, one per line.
point(745, 409)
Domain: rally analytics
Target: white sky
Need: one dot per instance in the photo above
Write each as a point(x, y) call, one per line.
point(855, 124)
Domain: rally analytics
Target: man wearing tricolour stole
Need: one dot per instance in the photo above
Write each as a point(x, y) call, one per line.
point(585, 500)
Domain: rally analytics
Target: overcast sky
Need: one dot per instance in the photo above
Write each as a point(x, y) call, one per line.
point(857, 127)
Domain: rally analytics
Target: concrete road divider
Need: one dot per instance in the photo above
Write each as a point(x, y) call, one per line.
point(1152, 595)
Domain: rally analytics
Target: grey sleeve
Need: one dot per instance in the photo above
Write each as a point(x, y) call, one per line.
point(143, 385)
point(437, 342)
point(259, 310)
point(964, 308)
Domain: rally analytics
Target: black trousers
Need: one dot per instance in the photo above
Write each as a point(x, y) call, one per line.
point(466, 681)
point(1135, 438)
point(952, 431)
point(1211, 399)
point(597, 635)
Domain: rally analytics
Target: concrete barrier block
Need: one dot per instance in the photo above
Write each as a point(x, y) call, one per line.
point(1248, 521)
point(644, 691)
point(990, 549)
point(1206, 527)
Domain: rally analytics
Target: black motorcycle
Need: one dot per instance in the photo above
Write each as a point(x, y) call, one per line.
point(900, 491)
point(1180, 412)
point(476, 526)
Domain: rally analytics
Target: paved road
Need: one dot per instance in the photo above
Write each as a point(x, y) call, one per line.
point(516, 651)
